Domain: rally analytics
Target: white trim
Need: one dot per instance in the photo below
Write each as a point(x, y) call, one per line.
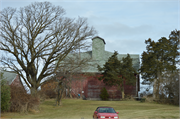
point(136, 86)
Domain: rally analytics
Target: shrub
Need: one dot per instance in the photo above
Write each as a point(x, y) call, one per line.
point(50, 93)
point(21, 101)
point(41, 95)
point(48, 89)
point(5, 96)
point(104, 94)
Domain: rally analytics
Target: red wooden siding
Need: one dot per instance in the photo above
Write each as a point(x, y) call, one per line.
point(17, 82)
point(92, 87)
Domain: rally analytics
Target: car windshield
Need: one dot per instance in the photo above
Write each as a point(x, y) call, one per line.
point(106, 110)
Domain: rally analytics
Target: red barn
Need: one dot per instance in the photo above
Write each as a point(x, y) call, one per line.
point(12, 78)
point(88, 83)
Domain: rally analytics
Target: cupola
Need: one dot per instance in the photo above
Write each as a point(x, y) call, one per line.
point(98, 48)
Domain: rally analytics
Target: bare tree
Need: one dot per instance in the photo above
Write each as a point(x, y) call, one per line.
point(36, 38)
point(60, 89)
point(70, 69)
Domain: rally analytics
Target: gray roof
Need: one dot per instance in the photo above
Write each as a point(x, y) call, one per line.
point(98, 56)
point(92, 64)
point(99, 38)
point(9, 76)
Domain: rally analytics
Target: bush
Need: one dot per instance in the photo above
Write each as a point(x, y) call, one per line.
point(5, 96)
point(50, 93)
point(104, 94)
point(48, 89)
point(21, 101)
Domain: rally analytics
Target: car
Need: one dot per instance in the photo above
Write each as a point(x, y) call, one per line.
point(105, 113)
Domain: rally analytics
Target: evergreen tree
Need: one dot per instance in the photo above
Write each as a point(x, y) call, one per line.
point(5, 94)
point(104, 94)
point(115, 72)
point(159, 59)
point(174, 39)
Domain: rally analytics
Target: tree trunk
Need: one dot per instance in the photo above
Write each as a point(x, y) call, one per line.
point(34, 91)
point(122, 91)
point(157, 92)
point(60, 90)
point(123, 94)
point(158, 84)
point(70, 93)
point(59, 97)
point(154, 89)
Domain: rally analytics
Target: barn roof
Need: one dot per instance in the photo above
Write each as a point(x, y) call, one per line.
point(92, 67)
point(94, 61)
point(9, 76)
point(99, 38)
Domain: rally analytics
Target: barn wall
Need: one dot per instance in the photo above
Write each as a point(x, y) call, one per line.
point(17, 82)
point(92, 87)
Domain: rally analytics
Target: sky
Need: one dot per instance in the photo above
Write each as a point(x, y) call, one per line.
point(123, 24)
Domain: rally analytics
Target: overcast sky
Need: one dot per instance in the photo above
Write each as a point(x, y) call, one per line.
point(123, 24)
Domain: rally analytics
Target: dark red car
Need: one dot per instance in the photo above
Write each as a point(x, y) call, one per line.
point(105, 113)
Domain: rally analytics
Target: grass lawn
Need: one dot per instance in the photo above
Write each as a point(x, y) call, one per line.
point(77, 108)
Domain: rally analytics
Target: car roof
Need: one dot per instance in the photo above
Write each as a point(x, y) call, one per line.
point(104, 107)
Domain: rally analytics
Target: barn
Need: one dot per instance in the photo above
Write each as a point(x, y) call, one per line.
point(88, 84)
point(12, 78)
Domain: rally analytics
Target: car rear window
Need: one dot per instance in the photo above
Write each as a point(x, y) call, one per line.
point(106, 110)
